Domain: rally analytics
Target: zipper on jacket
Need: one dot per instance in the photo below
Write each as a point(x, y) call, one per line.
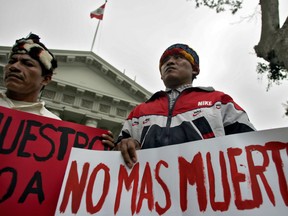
point(166, 140)
point(168, 123)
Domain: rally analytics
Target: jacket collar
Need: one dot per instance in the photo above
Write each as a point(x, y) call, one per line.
point(162, 93)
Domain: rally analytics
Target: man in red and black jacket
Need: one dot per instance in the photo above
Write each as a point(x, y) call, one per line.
point(181, 113)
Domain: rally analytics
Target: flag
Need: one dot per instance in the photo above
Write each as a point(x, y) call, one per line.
point(98, 13)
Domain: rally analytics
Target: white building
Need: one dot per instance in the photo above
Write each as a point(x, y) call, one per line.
point(88, 90)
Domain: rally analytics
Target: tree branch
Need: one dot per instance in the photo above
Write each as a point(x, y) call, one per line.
point(270, 26)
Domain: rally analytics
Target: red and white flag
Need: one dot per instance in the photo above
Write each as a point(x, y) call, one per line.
point(98, 13)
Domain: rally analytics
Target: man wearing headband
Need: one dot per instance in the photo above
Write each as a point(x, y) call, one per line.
point(29, 69)
point(181, 113)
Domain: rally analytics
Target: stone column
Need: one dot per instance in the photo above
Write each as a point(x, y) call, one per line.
point(78, 98)
point(59, 93)
point(91, 122)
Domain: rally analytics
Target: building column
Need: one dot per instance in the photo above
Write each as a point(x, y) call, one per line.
point(97, 99)
point(78, 98)
point(59, 93)
point(91, 122)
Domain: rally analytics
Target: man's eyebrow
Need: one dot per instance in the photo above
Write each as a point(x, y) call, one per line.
point(26, 59)
point(22, 58)
point(12, 57)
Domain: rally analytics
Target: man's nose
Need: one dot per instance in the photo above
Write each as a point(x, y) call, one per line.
point(14, 67)
point(171, 60)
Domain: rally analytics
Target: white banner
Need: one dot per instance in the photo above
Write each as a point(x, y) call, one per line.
point(242, 174)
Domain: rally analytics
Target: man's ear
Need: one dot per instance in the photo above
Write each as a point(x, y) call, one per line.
point(195, 74)
point(46, 79)
point(161, 75)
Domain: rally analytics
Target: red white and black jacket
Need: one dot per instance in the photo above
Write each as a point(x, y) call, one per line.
point(198, 113)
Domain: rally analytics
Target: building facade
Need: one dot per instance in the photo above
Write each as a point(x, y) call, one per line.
point(86, 89)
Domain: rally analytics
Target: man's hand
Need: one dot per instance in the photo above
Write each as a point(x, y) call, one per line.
point(128, 149)
point(108, 139)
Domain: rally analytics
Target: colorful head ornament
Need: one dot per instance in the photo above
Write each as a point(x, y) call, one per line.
point(32, 46)
point(184, 50)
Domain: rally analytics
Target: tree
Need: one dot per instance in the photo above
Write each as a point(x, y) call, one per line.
point(273, 43)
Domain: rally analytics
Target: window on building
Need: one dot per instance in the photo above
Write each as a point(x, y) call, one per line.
point(104, 108)
point(121, 112)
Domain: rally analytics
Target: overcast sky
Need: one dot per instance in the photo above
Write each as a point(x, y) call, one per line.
point(134, 33)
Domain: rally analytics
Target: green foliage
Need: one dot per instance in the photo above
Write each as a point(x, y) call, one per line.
point(221, 5)
point(275, 73)
point(286, 108)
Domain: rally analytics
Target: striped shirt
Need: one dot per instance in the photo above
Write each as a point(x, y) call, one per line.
point(174, 93)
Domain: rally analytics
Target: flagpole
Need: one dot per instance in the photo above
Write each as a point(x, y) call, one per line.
point(95, 35)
